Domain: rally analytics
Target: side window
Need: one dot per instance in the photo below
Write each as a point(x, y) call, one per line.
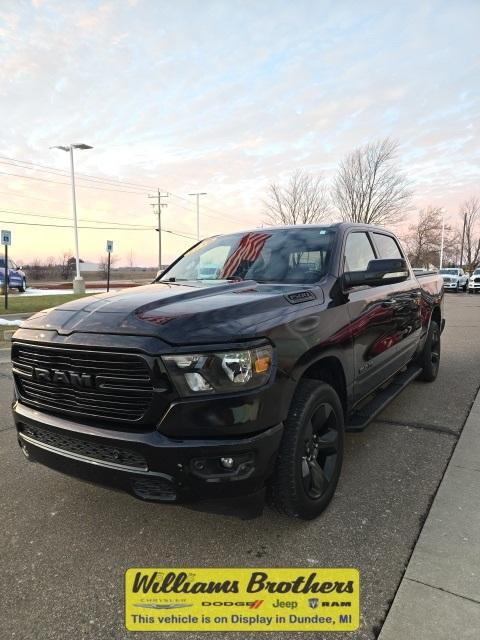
point(387, 246)
point(358, 252)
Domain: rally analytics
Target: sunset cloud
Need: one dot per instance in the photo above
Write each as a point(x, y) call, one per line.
point(225, 97)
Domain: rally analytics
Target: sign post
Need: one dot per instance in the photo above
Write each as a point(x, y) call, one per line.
point(6, 241)
point(109, 251)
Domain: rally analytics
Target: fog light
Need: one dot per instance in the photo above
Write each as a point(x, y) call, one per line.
point(227, 463)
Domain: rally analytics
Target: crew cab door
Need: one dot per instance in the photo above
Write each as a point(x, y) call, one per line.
point(406, 303)
point(373, 319)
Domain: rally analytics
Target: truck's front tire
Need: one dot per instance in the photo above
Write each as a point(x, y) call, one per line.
point(311, 453)
point(430, 357)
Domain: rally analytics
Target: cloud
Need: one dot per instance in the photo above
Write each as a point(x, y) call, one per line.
point(226, 97)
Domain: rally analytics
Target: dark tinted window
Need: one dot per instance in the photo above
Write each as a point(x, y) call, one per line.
point(387, 246)
point(297, 255)
point(358, 252)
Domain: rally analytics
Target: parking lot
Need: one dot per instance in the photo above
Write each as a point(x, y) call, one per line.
point(66, 544)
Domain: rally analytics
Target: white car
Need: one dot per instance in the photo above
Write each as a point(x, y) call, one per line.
point(454, 279)
point(474, 282)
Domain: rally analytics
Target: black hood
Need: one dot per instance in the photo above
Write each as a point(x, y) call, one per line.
point(179, 313)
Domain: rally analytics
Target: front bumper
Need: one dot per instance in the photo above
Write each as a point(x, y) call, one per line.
point(148, 464)
point(452, 285)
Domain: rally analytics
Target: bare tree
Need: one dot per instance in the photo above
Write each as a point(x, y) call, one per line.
point(369, 187)
point(103, 263)
point(36, 269)
point(470, 212)
point(66, 265)
point(303, 200)
point(424, 239)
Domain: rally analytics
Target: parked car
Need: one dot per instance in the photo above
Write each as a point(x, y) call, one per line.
point(454, 279)
point(192, 387)
point(474, 282)
point(16, 277)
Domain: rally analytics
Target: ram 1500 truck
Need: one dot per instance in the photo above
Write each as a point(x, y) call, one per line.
point(227, 380)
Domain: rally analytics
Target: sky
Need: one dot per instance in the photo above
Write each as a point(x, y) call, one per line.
point(222, 97)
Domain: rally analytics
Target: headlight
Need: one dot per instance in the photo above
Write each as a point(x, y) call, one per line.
point(220, 372)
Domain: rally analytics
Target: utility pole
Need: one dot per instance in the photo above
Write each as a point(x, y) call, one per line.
point(442, 239)
point(463, 239)
point(203, 193)
point(159, 204)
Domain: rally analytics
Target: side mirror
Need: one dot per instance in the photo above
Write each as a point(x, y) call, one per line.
point(378, 272)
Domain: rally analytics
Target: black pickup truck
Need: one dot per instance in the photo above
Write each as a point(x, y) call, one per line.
point(239, 368)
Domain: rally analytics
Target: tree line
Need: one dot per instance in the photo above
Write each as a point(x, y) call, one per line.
point(370, 187)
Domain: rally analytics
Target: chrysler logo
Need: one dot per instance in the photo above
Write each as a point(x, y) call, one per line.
point(68, 378)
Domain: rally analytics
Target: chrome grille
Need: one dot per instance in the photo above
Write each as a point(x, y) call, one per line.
point(110, 386)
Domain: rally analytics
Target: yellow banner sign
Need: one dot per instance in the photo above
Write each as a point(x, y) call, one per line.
point(242, 599)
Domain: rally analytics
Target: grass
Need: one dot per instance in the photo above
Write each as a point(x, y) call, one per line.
point(31, 304)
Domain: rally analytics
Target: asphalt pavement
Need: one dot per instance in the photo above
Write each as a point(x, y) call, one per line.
point(66, 544)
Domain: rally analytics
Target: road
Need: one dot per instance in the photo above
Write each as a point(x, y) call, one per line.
point(66, 544)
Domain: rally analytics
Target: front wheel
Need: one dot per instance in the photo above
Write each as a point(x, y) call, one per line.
point(464, 288)
point(429, 359)
point(23, 286)
point(311, 453)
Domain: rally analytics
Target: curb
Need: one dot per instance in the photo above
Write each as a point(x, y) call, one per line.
point(439, 595)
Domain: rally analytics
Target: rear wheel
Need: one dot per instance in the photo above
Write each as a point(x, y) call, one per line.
point(311, 453)
point(430, 357)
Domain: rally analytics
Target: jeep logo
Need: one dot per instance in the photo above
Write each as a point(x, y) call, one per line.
point(68, 378)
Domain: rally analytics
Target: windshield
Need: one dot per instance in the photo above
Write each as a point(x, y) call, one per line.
point(297, 255)
point(476, 272)
point(449, 272)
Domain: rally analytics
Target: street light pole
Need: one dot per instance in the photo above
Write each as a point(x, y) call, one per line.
point(78, 282)
point(75, 225)
point(198, 210)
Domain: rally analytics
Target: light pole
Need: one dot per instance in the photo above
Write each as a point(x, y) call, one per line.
point(78, 282)
point(198, 210)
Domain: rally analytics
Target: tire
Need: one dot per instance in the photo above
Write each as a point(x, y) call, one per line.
point(464, 288)
point(23, 288)
point(429, 359)
point(311, 452)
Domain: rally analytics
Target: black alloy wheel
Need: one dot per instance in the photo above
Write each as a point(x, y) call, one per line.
point(429, 359)
point(310, 457)
point(319, 461)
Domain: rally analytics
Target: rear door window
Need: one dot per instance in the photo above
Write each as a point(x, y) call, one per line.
point(358, 251)
point(387, 246)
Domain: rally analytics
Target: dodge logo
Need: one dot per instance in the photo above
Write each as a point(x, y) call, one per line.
point(68, 378)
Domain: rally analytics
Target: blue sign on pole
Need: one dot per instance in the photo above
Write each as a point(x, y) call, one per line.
point(6, 237)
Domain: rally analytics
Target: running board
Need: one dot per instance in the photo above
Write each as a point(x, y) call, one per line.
point(360, 419)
